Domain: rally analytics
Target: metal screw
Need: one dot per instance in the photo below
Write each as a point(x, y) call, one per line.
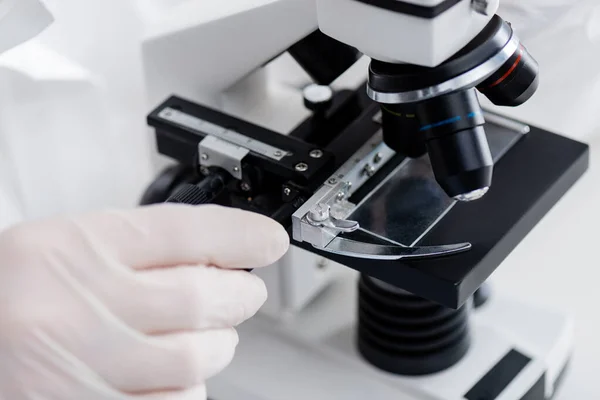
point(245, 186)
point(287, 191)
point(332, 181)
point(204, 156)
point(236, 169)
point(302, 167)
point(323, 263)
point(168, 113)
point(278, 153)
point(342, 194)
point(378, 158)
point(368, 170)
point(316, 154)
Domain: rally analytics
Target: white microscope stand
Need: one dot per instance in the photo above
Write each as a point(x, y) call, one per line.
point(302, 345)
point(312, 355)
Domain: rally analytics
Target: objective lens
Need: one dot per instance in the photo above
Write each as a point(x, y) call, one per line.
point(400, 127)
point(457, 144)
point(450, 127)
point(515, 82)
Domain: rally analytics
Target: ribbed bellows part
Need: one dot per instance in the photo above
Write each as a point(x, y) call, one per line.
point(407, 335)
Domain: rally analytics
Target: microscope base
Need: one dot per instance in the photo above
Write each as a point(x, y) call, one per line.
point(519, 352)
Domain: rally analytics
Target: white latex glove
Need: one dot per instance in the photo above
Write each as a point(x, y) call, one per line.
point(128, 305)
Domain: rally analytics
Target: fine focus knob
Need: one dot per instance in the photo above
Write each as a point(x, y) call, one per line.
point(318, 98)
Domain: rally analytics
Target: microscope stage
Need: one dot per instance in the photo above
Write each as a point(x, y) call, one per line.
point(529, 180)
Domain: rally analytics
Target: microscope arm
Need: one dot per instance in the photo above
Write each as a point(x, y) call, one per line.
point(202, 48)
point(198, 49)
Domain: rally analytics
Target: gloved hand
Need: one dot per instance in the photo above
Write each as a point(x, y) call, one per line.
point(128, 305)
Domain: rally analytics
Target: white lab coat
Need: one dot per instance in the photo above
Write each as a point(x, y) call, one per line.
point(72, 105)
point(72, 114)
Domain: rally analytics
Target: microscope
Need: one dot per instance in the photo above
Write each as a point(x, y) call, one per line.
point(401, 193)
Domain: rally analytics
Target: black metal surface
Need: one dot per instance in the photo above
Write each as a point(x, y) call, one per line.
point(181, 143)
point(323, 57)
point(528, 182)
point(354, 136)
point(320, 130)
point(406, 335)
point(263, 190)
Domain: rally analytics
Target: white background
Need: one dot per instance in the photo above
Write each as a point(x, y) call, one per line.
point(557, 265)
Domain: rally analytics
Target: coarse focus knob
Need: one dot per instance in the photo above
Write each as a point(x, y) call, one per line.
point(204, 192)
